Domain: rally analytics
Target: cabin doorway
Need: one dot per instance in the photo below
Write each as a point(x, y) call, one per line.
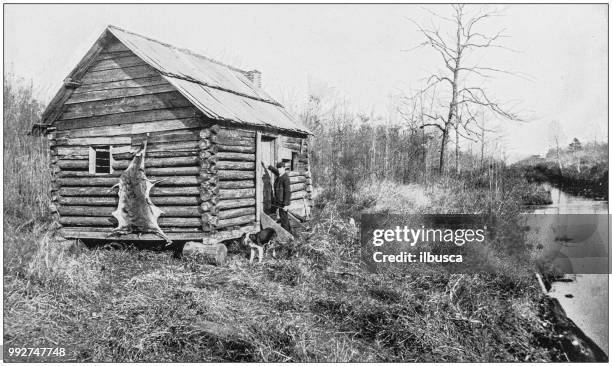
point(267, 148)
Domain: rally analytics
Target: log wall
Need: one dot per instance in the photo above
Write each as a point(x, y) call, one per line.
point(120, 98)
point(300, 178)
point(235, 165)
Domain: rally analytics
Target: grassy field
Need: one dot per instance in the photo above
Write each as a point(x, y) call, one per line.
point(314, 303)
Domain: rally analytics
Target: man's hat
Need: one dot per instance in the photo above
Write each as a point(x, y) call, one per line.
point(280, 164)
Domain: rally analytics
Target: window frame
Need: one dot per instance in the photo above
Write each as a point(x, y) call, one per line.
point(93, 149)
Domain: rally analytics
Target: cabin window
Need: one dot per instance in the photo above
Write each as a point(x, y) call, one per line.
point(100, 159)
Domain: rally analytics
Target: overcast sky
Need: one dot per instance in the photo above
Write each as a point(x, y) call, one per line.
point(359, 50)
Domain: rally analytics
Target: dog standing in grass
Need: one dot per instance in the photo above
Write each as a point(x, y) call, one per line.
point(260, 241)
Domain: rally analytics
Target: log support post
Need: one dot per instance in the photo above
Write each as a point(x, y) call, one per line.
point(258, 180)
point(208, 178)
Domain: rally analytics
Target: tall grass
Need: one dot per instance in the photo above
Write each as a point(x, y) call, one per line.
point(26, 159)
point(314, 303)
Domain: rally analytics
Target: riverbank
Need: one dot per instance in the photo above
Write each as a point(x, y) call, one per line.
point(582, 172)
point(583, 297)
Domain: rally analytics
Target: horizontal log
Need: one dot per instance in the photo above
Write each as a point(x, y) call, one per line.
point(175, 170)
point(235, 134)
point(236, 221)
point(297, 179)
point(73, 164)
point(104, 191)
point(161, 162)
point(236, 174)
point(87, 141)
point(110, 181)
point(74, 233)
point(243, 141)
point(167, 149)
point(133, 72)
point(235, 203)
point(295, 140)
point(113, 201)
point(172, 211)
point(293, 147)
point(298, 195)
point(157, 154)
point(234, 156)
point(151, 172)
point(236, 193)
point(225, 184)
point(108, 229)
point(56, 157)
point(129, 117)
point(105, 221)
point(236, 212)
point(235, 165)
point(72, 150)
point(123, 105)
point(298, 187)
point(235, 148)
point(182, 129)
point(99, 95)
point(212, 254)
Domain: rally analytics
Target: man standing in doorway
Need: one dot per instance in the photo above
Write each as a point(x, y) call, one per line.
point(282, 194)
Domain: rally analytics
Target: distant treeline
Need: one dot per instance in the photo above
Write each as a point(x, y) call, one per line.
point(577, 169)
point(349, 147)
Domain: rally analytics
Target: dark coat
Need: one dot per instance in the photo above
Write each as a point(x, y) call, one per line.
point(282, 189)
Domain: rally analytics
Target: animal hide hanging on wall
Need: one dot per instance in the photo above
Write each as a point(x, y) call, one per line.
point(135, 212)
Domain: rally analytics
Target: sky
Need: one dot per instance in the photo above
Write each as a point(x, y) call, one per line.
point(365, 53)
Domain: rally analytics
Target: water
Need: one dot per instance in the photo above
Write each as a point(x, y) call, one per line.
point(585, 297)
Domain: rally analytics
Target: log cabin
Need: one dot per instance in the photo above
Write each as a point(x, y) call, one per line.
point(209, 127)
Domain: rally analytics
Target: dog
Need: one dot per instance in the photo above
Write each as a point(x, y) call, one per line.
point(264, 238)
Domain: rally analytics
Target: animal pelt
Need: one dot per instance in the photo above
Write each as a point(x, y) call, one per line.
point(135, 212)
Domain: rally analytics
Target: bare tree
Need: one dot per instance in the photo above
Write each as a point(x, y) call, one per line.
point(555, 135)
point(463, 98)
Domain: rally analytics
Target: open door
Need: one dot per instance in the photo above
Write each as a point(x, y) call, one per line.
point(265, 156)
